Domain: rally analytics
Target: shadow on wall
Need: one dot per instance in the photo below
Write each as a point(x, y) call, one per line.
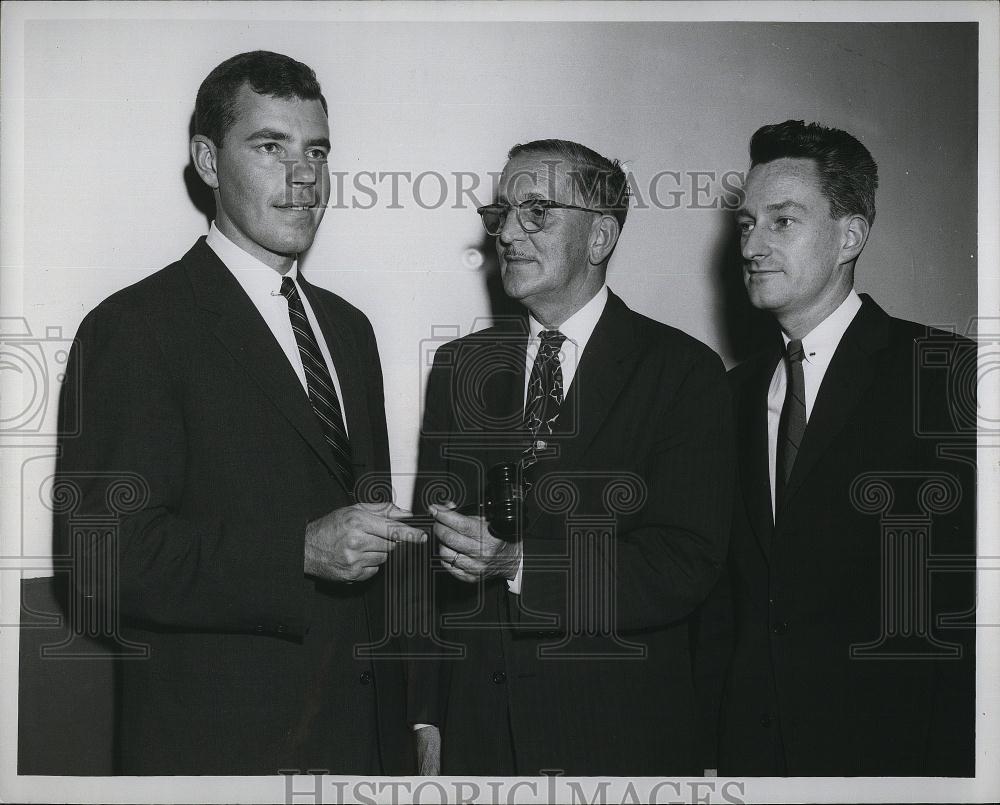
point(501, 305)
point(745, 330)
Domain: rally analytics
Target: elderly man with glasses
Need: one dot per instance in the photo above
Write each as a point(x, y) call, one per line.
point(564, 646)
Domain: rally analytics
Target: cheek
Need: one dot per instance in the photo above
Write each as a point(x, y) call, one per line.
point(818, 257)
point(323, 182)
point(240, 190)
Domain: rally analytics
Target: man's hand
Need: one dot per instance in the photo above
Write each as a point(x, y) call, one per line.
point(428, 750)
point(468, 550)
point(350, 544)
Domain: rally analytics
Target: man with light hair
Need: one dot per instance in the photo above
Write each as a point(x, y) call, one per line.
point(573, 632)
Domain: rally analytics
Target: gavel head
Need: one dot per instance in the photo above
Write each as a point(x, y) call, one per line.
point(503, 495)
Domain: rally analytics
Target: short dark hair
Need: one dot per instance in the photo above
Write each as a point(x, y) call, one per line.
point(267, 73)
point(601, 180)
point(848, 174)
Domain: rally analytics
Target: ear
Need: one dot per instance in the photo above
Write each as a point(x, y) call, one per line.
point(854, 236)
point(203, 155)
point(603, 238)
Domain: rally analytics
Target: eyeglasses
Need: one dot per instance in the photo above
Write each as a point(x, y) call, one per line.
point(530, 214)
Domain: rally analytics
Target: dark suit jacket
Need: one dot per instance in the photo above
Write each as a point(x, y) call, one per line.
point(839, 666)
point(199, 449)
point(624, 533)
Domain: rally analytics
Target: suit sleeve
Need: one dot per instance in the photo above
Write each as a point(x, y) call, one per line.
point(428, 676)
point(382, 474)
point(665, 564)
point(952, 713)
point(127, 468)
point(713, 633)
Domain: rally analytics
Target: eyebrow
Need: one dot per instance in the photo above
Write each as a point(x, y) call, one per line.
point(778, 206)
point(502, 198)
point(280, 136)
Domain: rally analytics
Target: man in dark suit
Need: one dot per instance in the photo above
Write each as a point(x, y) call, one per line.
point(857, 475)
point(565, 647)
point(232, 419)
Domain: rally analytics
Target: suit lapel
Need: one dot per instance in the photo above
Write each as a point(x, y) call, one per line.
point(239, 327)
point(504, 385)
point(755, 474)
point(851, 371)
point(608, 361)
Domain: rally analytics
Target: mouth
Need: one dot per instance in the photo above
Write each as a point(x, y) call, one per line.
point(511, 257)
point(296, 207)
point(755, 271)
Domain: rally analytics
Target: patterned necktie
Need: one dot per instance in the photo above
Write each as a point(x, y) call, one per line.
point(322, 394)
point(545, 393)
point(792, 424)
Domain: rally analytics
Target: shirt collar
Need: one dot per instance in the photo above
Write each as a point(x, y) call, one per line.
point(578, 327)
point(251, 272)
point(824, 338)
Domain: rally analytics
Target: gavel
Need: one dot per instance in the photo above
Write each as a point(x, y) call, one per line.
point(503, 494)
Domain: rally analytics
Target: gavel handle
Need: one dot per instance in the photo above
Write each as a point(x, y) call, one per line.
point(426, 522)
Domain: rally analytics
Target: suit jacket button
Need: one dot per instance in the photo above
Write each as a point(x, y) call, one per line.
point(499, 678)
point(780, 628)
point(366, 677)
point(259, 629)
point(765, 721)
point(281, 629)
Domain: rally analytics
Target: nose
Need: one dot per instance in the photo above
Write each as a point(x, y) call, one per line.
point(511, 229)
point(753, 244)
point(302, 171)
point(304, 181)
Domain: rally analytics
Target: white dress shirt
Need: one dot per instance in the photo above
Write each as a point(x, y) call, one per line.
point(263, 285)
point(577, 328)
point(818, 348)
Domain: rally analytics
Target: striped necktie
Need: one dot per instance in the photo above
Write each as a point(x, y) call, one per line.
point(322, 394)
point(792, 424)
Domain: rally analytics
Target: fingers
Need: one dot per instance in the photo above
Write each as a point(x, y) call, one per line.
point(367, 573)
point(390, 510)
point(458, 542)
point(470, 526)
point(460, 566)
point(380, 532)
point(481, 543)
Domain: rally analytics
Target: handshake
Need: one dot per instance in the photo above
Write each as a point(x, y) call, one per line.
point(350, 544)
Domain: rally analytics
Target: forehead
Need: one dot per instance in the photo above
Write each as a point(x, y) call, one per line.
point(254, 111)
point(784, 180)
point(547, 176)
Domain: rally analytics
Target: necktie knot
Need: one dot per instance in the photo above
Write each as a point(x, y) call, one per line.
point(794, 350)
point(551, 342)
point(288, 287)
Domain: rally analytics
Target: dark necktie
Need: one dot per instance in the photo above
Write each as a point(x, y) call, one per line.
point(792, 424)
point(545, 393)
point(322, 394)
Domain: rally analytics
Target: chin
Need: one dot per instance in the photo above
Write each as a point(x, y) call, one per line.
point(519, 284)
point(291, 246)
point(516, 290)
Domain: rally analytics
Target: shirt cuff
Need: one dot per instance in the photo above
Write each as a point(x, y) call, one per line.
point(421, 726)
point(514, 584)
